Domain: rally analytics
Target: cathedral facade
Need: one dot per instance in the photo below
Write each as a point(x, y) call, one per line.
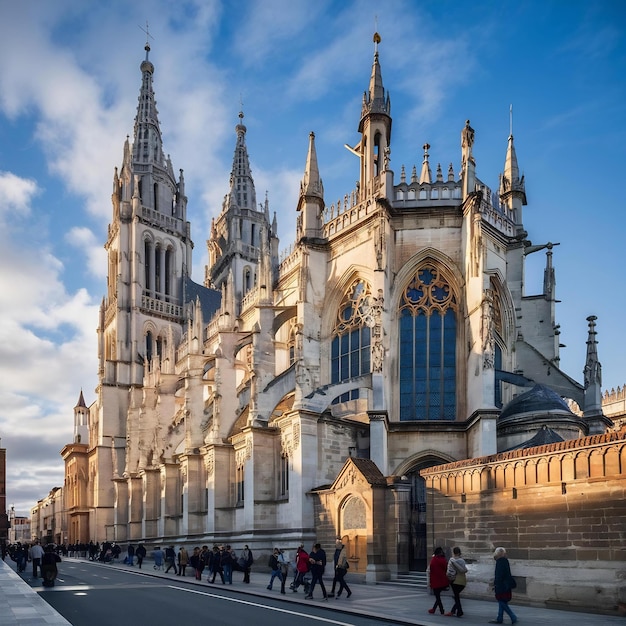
point(297, 398)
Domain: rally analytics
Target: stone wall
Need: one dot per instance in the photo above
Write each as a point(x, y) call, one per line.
point(559, 510)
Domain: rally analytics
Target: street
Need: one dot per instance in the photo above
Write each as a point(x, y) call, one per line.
point(91, 594)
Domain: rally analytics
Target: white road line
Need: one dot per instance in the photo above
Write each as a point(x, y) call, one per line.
point(264, 606)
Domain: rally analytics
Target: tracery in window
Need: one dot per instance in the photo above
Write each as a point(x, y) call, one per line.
point(350, 347)
point(428, 326)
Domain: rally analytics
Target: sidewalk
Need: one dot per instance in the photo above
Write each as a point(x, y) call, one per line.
point(22, 604)
point(386, 602)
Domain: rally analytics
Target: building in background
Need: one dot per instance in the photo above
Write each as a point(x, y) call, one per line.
point(19, 529)
point(4, 517)
point(301, 395)
point(48, 519)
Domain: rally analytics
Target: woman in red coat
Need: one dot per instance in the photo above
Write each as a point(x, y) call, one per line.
point(302, 567)
point(437, 577)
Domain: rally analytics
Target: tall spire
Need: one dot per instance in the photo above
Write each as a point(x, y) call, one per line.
point(242, 191)
point(311, 182)
point(374, 100)
point(425, 176)
point(512, 187)
point(375, 129)
point(311, 201)
point(592, 409)
point(147, 141)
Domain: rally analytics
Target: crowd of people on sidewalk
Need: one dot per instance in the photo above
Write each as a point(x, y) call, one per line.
point(308, 568)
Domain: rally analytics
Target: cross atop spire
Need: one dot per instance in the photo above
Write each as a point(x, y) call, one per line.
point(148, 37)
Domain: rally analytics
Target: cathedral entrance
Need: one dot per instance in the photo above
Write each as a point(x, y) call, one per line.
point(418, 550)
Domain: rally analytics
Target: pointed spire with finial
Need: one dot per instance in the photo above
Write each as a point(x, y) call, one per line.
point(425, 176)
point(311, 182)
point(147, 140)
point(242, 191)
point(512, 187)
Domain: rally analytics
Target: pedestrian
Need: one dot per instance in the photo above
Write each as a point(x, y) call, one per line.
point(158, 556)
point(36, 552)
point(341, 569)
point(216, 564)
point(503, 584)
point(170, 559)
point(245, 563)
point(275, 568)
point(183, 561)
point(302, 567)
point(49, 569)
point(21, 556)
point(205, 559)
point(338, 548)
point(194, 561)
point(130, 554)
point(456, 573)
point(317, 560)
point(437, 577)
point(226, 562)
point(140, 552)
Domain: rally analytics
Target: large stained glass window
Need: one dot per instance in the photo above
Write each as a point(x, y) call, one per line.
point(350, 348)
point(428, 328)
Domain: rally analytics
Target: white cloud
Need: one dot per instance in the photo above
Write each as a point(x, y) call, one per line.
point(16, 193)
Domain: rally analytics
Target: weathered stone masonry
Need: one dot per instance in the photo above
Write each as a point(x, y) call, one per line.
point(559, 510)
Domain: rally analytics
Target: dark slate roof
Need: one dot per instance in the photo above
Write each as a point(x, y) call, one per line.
point(370, 471)
point(543, 437)
point(539, 399)
point(210, 299)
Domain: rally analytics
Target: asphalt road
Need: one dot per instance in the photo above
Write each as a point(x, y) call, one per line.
point(90, 595)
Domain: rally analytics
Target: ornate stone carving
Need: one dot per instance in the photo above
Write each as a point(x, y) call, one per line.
point(209, 462)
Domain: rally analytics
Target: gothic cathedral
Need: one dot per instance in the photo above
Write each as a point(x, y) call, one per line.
point(296, 398)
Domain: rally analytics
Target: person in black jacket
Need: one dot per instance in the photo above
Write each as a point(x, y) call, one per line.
point(503, 583)
point(170, 559)
point(140, 553)
point(317, 561)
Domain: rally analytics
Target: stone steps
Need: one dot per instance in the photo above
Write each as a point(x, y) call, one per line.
point(418, 580)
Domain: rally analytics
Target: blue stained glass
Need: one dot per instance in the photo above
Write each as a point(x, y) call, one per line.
point(427, 353)
point(426, 276)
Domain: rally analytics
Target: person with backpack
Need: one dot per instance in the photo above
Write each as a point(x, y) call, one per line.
point(456, 573)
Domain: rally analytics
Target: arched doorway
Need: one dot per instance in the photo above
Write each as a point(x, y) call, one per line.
point(419, 551)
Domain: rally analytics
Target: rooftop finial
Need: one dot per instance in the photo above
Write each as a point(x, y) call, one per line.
point(376, 40)
point(148, 37)
point(511, 120)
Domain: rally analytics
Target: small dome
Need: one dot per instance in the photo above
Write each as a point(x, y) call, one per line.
point(539, 399)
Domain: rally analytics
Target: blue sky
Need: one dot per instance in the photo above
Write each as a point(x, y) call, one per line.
point(69, 81)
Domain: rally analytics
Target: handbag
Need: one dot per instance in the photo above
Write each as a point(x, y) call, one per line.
point(451, 572)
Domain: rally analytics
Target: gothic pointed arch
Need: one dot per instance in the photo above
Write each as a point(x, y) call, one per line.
point(428, 314)
point(351, 336)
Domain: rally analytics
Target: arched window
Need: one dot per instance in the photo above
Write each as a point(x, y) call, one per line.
point(292, 346)
point(147, 248)
point(247, 280)
point(350, 348)
point(428, 311)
